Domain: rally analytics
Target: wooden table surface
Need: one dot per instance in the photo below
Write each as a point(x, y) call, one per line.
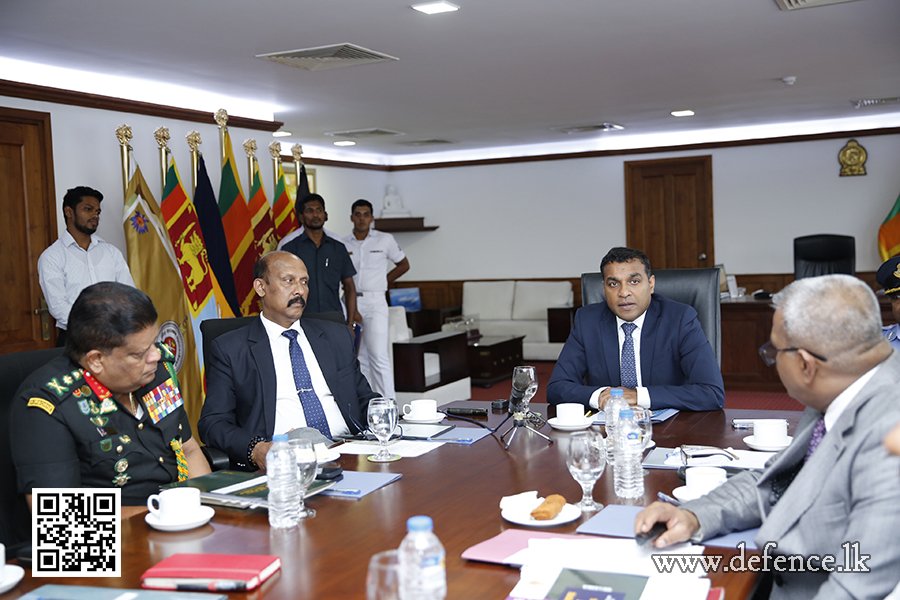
point(459, 486)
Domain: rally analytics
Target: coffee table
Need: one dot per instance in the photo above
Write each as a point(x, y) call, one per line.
point(492, 358)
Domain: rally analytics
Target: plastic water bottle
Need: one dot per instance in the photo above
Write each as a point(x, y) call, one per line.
point(615, 404)
point(283, 482)
point(423, 575)
point(629, 474)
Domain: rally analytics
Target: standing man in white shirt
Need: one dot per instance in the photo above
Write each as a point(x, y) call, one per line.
point(373, 253)
point(78, 258)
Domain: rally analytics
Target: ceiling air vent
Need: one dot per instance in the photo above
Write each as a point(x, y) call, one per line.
point(359, 134)
point(866, 102)
point(795, 4)
point(419, 143)
point(327, 57)
point(589, 128)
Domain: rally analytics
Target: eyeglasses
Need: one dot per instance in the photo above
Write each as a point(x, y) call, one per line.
point(769, 353)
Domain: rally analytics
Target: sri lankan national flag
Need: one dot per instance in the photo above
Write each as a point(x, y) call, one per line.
point(261, 214)
point(283, 211)
point(889, 233)
point(242, 246)
point(154, 268)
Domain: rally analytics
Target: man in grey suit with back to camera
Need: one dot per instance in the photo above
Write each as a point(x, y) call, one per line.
point(834, 491)
point(281, 372)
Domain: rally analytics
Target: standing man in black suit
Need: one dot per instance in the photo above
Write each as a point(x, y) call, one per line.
point(281, 372)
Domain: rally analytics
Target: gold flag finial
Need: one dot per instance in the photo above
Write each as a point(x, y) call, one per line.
point(297, 151)
point(162, 136)
point(250, 147)
point(123, 134)
point(222, 117)
point(275, 150)
point(193, 141)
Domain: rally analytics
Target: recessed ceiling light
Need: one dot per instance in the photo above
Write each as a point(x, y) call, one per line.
point(281, 133)
point(345, 143)
point(682, 113)
point(434, 8)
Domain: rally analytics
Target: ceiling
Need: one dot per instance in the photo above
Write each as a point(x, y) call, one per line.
point(496, 77)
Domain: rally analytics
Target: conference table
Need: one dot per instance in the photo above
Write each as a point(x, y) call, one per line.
point(459, 486)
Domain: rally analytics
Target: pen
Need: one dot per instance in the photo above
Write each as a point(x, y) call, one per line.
point(213, 586)
point(343, 492)
point(668, 498)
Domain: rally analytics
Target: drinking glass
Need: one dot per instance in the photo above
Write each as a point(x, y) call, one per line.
point(305, 455)
point(532, 383)
point(382, 417)
point(642, 417)
point(383, 577)
point(586, 459)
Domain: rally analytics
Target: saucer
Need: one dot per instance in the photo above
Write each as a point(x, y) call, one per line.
point(555, 424)
point(684, 494)
point(569, 513)
point(437, 418)
point(750, 441)
point(327, 455)
point(10, 576)
point(201, 517)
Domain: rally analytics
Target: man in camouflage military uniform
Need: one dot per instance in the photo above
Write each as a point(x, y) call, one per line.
point(109, 413)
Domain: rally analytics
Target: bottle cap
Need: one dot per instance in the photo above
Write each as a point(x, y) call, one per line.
point(420, 523)
point(280, 437)
point(626, 413)
point(617, 393)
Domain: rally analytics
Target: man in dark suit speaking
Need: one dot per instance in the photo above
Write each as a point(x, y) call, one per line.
point(650, 346)
point(281, 372)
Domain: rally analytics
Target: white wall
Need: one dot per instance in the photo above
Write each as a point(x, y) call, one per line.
point(534, 219)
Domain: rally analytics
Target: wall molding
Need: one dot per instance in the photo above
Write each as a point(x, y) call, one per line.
point(42, 93)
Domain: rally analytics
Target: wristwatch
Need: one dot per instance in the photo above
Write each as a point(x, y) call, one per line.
point(250, 447)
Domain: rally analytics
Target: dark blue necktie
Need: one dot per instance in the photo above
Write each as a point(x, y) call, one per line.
point(312, 408)
point(627, 367)
point(816, 438)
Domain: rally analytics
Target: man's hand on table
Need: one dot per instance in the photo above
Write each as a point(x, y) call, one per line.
point(259, 454)
point(681, 524)
point(629, 395)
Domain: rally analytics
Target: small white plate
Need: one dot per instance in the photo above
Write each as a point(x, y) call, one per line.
point(569, 513)
point(555, 424)
point(750, 441)
point(682, 493)
point(436, 419)
point(326, 456)
point(201, 517)
point(10, 576)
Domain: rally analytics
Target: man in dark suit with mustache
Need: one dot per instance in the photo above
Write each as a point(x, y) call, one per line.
point(281, 372)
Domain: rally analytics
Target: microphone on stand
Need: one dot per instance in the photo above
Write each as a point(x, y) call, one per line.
point(517, 396)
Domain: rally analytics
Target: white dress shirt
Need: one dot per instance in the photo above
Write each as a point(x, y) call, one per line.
point(288, 408)
point(373, 257)
point(643, 394)
point(65, 268)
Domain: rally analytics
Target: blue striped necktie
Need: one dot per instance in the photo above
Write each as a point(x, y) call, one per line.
point(312, 408)
point(627, 367)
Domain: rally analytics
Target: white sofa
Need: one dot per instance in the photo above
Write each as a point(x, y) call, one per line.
point(507, 308)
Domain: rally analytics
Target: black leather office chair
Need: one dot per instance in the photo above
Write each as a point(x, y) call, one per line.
point(15, 519)
point(823, 254)
point(697, 287)
point(210, 329)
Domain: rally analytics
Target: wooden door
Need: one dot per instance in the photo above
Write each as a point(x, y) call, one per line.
point(27, 227)
point(668, 211)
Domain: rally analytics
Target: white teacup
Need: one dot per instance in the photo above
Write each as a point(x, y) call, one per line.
point(770, 432)
point(570, 414)
point(420, 410)
point(175, 505)
point(701, 480)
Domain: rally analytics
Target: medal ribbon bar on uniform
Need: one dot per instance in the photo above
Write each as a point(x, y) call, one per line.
point(162, 400)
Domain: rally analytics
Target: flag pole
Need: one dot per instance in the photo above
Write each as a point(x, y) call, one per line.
point(275, 151)
point(193, 142)
point(250, 149)
point(162, 140)
point(222, 121)
point(297, 151)
point(123, 134)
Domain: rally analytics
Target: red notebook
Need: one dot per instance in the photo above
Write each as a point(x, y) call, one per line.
point(211, 572)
